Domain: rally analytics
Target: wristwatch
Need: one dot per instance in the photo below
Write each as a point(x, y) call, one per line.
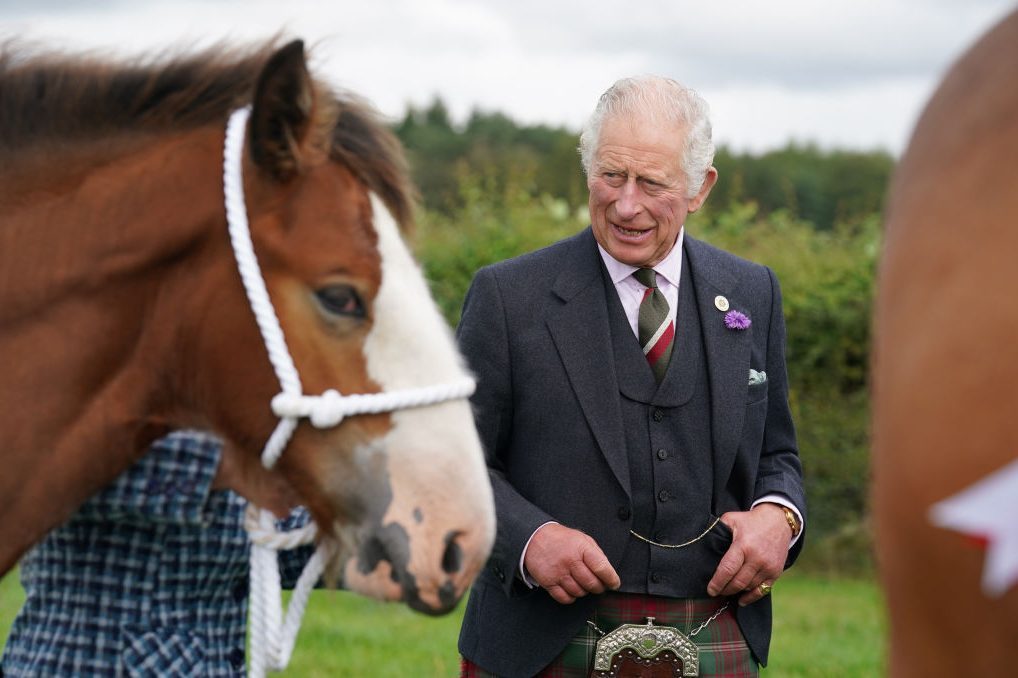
point(793, 521)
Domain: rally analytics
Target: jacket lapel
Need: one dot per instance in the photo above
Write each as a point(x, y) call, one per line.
point(728, 355)
point(581, 334)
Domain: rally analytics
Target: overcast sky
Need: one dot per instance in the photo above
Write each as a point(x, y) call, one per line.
point(840, 73)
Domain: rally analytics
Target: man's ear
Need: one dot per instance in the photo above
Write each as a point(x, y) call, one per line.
point(708, 183)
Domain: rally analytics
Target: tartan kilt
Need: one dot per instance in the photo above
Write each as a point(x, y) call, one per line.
point(723, 650)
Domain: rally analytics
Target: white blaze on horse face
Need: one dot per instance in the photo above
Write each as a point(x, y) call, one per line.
point(441, 495)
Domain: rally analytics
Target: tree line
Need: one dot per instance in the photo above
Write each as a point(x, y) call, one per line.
point(508, 159)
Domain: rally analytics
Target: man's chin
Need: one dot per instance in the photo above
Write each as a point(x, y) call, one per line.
point(640, 253)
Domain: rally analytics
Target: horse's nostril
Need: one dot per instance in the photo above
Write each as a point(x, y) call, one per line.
point(452, 559)
point(447, 597)
point(389, 543)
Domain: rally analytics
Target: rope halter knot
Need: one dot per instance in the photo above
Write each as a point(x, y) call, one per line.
point(330, 408)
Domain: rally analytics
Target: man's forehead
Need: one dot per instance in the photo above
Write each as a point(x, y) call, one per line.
point(641, 134)
point(639, 122)
point(654, 156)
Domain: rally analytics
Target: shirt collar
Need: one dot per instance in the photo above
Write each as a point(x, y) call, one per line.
point(669, 268)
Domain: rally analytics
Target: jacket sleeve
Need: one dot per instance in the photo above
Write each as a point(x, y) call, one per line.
point(169, 484)
point(780, 470)
point(483, 338)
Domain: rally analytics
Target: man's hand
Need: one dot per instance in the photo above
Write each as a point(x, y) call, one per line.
point(568, 563)
point(245, 475)
point(757, 554)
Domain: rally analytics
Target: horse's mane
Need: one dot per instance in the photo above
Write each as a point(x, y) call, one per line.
point(50, 99)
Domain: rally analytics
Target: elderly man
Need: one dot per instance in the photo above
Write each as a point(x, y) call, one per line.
point(633, 404)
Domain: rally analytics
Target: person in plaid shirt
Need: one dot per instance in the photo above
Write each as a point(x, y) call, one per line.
point(149, 578)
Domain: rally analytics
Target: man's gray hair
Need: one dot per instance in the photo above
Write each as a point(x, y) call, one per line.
point(660, 100)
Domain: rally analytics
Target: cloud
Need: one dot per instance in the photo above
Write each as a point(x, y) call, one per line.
point(799, 44)
point(760, 118)
point(835, 72)
point(17, 8)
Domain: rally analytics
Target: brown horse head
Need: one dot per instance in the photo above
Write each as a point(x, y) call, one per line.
point(123, 309)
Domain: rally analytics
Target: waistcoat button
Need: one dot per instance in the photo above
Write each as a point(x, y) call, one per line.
point(658, 415)
point(662, 454)
point(663, 495)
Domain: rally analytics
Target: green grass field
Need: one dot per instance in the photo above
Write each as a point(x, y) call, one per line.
point(824, 628)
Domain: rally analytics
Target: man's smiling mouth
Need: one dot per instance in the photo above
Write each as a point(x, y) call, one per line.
point(631, 232)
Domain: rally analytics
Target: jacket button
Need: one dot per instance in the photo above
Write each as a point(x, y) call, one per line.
point(624, 513)
point(237, 658)
point(663, 495)
point(658, 415)
point(655, 577)
point(662, 454)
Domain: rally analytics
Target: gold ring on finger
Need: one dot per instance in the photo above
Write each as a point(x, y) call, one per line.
point(765, 588)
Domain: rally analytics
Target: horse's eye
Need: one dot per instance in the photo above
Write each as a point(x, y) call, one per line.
point(341, 300)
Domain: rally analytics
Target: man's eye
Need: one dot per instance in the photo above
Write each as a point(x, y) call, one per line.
point(340, 300)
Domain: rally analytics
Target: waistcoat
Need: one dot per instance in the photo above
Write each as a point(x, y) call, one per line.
point(668, 444)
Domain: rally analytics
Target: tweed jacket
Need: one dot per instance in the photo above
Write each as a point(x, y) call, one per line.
point(535, 329)
point(149, 578)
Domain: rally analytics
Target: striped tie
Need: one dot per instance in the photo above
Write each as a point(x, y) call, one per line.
point(656, 330)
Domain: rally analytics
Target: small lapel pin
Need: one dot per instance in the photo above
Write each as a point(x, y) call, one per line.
point(721, 303)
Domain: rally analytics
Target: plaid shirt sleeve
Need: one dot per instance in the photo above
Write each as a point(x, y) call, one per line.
point(170, 484)
point(292, 561)
point(149, 578)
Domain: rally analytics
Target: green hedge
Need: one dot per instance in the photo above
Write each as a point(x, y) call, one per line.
point(827, 281)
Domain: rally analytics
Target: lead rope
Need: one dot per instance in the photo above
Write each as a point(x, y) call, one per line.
point(273, 635)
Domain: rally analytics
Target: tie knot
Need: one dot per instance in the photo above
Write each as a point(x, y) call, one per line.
point(646, 276)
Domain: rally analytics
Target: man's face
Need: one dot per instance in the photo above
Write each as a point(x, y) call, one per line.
point(637, 190)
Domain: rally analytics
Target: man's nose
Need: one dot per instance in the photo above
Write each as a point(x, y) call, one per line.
point(628, 203)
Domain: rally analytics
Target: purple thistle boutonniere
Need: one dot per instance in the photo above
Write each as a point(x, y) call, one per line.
point(737, 320)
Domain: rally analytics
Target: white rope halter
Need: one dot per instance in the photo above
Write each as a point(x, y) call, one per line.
point(272, 640)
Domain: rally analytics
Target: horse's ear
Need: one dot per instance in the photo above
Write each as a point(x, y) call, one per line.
point(281, 114)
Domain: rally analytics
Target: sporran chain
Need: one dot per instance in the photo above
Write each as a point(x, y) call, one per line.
point(677, 546)
point(692, 634)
